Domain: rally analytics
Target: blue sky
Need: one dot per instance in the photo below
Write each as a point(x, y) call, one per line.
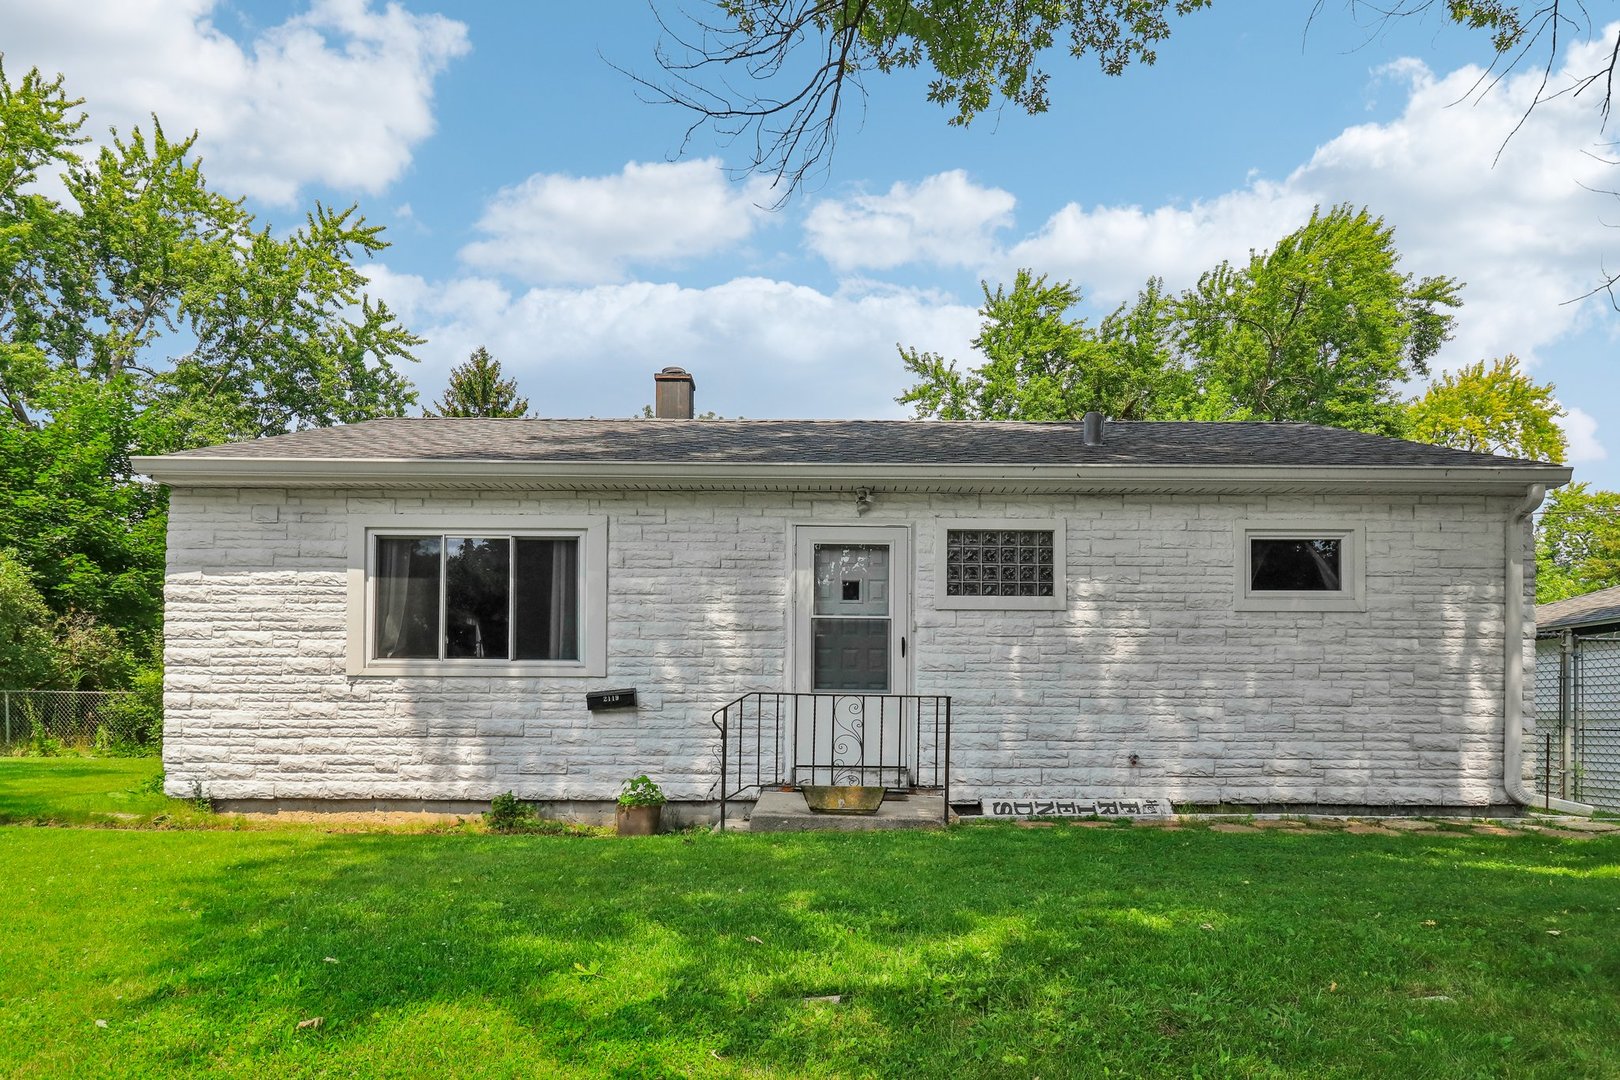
point(538, 207)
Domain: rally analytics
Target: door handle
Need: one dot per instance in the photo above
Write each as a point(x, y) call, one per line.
point(902, 646)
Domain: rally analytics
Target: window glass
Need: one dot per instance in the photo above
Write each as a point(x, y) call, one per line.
point(999, 562)
point(546, 604)
point(1295, 565)
point(477, 597)
point(408, 597)
point(851, 654)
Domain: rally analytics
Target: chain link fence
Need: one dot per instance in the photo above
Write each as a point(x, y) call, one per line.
point(1578, 717)
point(46, 722)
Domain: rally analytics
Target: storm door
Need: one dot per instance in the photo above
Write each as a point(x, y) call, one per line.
point(852, 663)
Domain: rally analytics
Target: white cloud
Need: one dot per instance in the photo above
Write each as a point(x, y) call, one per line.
point(553, 228)
point(1522, 233)
point(1580, 431)
point(339, 95)
point(945, 219)
point(757, 346)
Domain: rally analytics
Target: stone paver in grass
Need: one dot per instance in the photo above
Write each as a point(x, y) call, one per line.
point(1493, 830)
point(1357, 828)
point(1231, 827)
point(1562, 834)
point(1035, 824)
point(1279, 823)
point(1092, 824)
point(1583, 825)
point(1408, 824)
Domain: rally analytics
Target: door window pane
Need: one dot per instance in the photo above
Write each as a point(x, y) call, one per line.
point(852, 579)
point(1303, 565)
point(546, 605)
point(408, 597)
point(477, 597)
point(851, 654)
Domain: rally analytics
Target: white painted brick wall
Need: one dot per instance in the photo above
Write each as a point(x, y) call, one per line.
point(1397, 704)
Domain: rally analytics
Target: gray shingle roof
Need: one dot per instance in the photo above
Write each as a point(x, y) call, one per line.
point(1593, 609)
point(851, 442)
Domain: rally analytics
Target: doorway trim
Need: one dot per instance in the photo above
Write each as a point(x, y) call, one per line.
point(801, 603)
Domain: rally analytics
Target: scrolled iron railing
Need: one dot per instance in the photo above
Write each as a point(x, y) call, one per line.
point(771, 739)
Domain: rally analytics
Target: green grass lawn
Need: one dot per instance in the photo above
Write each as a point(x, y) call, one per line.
point(984, 951)
point(82, 791)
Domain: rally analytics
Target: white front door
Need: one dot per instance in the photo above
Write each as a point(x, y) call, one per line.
point(852, 621)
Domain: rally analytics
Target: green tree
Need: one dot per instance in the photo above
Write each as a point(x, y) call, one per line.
point(1498, 410)
point(477, 389)
point(1041, 364)
point(1321, 328)
point(144, 313)
point(27, 653)
point(1577, 543)
point(780, 72)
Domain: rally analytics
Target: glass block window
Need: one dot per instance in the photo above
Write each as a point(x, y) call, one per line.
point(1000, 562)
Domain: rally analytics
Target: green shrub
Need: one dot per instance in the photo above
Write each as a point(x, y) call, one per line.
point(641, 791)
point(133, 722)
point(40, 744)
point(507, 813)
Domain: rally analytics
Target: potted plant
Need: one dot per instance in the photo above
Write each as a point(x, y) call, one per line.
point(641, 803)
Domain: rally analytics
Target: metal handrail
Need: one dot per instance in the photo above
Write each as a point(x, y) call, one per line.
point(770, 709)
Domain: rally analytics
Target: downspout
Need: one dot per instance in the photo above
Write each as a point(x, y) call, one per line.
point(1513, 662)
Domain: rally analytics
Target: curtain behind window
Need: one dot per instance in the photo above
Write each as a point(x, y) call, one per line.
point(408, 597)
point(546, 607)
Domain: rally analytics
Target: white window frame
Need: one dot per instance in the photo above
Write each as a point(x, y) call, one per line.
point(1058, 601)
point(593, 550)
point(1350, 596)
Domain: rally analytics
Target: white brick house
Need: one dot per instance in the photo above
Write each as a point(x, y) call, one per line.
point(1277, 615)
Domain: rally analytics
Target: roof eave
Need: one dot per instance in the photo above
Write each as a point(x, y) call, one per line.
point(213, 472)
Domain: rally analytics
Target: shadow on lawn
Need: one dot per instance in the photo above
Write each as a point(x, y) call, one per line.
point(980, 951)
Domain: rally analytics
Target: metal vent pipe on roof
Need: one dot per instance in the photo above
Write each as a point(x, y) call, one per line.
point(673, 389)
point(1091, 428)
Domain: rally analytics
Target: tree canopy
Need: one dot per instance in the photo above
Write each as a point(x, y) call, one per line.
point(477, 388)
point(783, 72)
point(1495, 410)
point(1323, 327)
point(141, 312)
point(1577, 543)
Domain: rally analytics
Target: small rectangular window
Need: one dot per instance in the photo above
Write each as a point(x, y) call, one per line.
point(999, 562)
point(1001, 565)
point(1295, 565)
point(1299, 565)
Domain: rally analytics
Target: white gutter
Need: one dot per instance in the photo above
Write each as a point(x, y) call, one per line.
point(1513, 663)
point(187, 470)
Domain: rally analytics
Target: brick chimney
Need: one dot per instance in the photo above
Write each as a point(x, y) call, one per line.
point(672, 394)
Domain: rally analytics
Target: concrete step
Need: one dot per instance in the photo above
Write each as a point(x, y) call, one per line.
point(786, 811)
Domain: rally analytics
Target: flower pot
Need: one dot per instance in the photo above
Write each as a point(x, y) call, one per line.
point(637, 820)
point(843, 799)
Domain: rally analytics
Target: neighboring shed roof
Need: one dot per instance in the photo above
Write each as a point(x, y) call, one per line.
point(1594, 609)
point(848, 442)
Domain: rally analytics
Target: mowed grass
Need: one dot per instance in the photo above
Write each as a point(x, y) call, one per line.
point(986, 951)
point(83, 791)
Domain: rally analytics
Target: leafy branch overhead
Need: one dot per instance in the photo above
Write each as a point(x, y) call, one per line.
point(977, 50)
point(782, 73)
